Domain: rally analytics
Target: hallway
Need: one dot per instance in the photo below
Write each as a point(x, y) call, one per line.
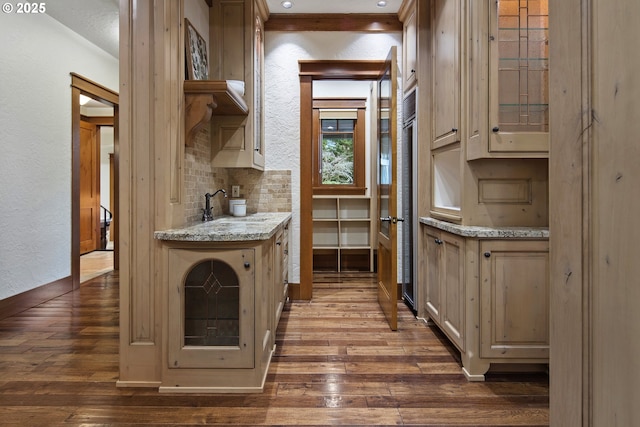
point(336, 363)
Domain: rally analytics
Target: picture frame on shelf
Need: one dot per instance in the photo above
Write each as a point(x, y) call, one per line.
point(197, 60)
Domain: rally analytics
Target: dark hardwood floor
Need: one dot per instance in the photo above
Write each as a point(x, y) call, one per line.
point(336, 363)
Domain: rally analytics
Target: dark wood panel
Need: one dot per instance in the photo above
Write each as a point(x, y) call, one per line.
point(368, 23)
point(336, 363)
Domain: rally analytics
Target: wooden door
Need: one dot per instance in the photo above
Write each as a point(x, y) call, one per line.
point(89, 188)
point(387, 191)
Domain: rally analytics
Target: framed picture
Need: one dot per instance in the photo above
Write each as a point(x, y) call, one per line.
point(196, 54)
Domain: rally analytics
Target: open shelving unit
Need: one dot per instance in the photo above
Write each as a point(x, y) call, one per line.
point(342, 234)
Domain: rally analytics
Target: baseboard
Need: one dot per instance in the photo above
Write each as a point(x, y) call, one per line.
point(29, 299)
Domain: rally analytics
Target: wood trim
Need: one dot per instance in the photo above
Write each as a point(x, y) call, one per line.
point(359, 186)
point(105, 94)
point(306, 190)
point(98, 120)
point(82, 85)
point(31, 298)
point(362, 22)
point(75, 187)
point(341, 69)
point(311, 70)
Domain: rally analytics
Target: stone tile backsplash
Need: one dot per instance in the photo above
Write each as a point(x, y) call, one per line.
point(265, 191)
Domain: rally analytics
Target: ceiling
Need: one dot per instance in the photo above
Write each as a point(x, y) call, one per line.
point(97, 20)
point(334, 6)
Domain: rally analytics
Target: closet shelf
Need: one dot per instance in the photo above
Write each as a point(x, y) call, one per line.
point(202, 97)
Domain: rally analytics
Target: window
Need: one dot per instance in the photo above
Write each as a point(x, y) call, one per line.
point(339, 142)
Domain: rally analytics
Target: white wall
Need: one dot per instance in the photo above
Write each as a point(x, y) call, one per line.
point(38, 53)
point(106, 148)
point(282, 98)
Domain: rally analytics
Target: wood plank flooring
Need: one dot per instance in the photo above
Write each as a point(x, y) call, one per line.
point(336, 363)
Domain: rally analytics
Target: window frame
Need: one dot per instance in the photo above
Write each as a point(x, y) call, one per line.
point(359, 186)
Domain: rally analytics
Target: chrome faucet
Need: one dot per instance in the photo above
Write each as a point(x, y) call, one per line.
point(206, 212)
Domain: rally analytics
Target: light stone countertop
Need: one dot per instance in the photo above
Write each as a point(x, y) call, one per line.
point(259, 226)
point(488, 232)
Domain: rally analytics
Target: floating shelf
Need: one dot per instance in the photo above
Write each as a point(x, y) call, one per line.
point(202, 97)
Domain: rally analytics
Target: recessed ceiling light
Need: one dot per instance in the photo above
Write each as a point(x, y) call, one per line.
point(381, 3)
point(287, 4)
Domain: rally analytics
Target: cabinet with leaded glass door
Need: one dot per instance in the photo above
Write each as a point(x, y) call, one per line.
point(509, 66)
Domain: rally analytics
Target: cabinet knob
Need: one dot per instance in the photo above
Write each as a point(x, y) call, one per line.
point(454, 130)
point(278, 243)
point(496, 129)
point(247, 265)
point(438, 241)
point(487, 254)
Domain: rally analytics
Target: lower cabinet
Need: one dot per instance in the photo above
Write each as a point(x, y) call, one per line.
point(281, 280)
point(514, 299)
point(488, 294)
point(445, 284)
point(223, 303)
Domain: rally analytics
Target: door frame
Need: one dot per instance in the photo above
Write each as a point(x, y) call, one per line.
point(82, 86)
point(311, 70)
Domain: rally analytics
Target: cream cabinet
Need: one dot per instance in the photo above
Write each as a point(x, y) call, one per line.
point(487, 289)
point(444, 296)
point(237, 53)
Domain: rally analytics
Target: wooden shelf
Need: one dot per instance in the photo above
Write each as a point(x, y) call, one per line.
point(202, 97)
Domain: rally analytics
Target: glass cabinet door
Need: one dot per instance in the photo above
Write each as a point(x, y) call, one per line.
point(519, 76)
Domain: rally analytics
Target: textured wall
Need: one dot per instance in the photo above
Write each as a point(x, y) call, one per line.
point(282, 99)
point(38, 53)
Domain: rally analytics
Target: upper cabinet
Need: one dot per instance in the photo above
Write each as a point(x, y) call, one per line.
point(510, 39)
point(446, 72)
point(237, 53)
point(408, 16)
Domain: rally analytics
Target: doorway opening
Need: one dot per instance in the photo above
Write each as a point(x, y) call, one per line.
point(94, 183)
point(310, 72)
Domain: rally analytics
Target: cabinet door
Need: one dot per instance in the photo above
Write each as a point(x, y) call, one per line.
point(431, 252)
point(519, 77)
point(452, 287)
point(410, 45)
point(446, 72)
point(211, 308)
point(514, 299)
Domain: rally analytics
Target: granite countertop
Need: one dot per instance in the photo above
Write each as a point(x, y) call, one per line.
point(488, 232)
point(259, 226)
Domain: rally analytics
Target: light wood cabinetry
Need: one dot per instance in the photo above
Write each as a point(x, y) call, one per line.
point(237, 53)
point(445, 72)
point(488, 294)
point(223, 303)
point(514, 299)
point(445, 292)
point(408, 16)
point(342, 233)
point(508, 57)
point(281, 265)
